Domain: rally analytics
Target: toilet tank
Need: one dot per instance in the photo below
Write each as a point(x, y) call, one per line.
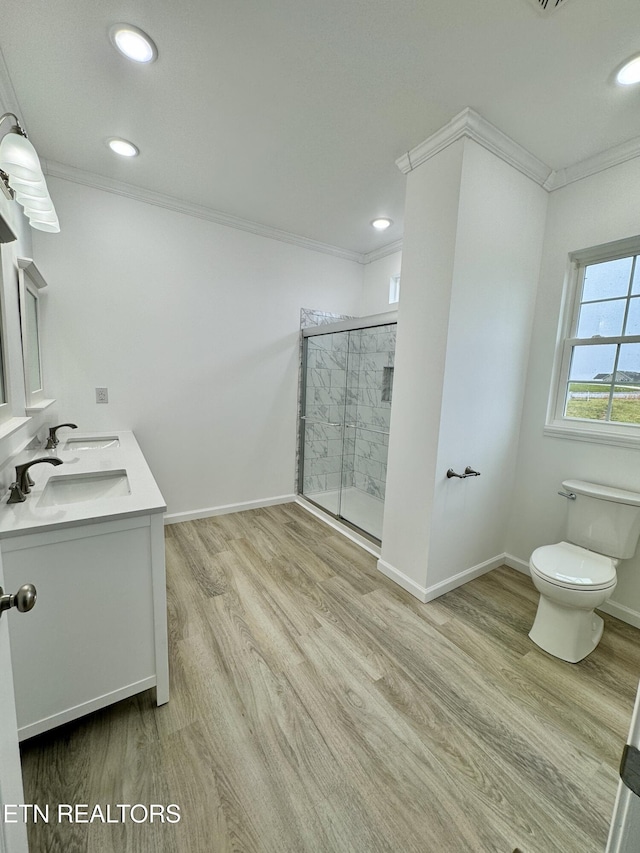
point(603, 519)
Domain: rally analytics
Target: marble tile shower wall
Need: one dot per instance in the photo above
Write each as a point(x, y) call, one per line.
point(346, 384)
point(329, 459)
point(312, 317)
point(373, 350)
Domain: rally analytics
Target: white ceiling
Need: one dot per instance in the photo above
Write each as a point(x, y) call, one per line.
point(291, 113)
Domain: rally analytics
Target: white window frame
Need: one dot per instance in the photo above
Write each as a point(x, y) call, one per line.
point(31, 280)
point(607, 432)
point(394, 289)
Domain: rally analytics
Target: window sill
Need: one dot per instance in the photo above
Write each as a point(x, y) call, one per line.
point(620, 437)
point(12, 425)
point(40, 406)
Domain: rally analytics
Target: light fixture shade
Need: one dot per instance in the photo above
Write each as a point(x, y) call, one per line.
point(29, 191)
point(53, 227)
point(18, 158)
point(41, 215)
point(33, 204)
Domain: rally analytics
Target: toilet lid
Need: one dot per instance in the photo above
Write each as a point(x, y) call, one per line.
point(571, 566)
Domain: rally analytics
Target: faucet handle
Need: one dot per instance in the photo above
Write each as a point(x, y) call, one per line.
point(17, 496)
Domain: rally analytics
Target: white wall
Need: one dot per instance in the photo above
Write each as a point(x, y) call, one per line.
point(498, 248)
point(375, 291)
point(193, 327)
point(471, 254)
point(428, 254)
point(595, 210)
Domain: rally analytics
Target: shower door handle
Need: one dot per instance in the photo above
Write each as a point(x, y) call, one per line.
point(322, 423)
point(367, 429)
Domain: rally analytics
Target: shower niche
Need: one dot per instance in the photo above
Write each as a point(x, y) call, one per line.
point(347, 393)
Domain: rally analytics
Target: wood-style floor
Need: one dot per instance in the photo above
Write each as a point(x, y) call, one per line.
point(317, 707)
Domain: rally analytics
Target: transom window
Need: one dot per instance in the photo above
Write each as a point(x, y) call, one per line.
point(599, 374)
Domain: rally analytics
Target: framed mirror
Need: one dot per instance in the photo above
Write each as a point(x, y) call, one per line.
point(30, 285)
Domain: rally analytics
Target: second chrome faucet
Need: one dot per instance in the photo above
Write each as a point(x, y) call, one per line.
point(22, 486)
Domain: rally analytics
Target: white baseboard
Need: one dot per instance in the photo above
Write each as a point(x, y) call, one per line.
point(517, 564)
point(208, 512)
point(402, 580)
point(70, 714)
point(624, 614)
point(620, 611)
point(362, 541)
point(426, 594)
point(463, 577)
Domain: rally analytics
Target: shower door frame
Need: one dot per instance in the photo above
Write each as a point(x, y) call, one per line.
point(355, 324)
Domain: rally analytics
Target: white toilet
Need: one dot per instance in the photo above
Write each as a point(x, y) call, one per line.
point(575, 577)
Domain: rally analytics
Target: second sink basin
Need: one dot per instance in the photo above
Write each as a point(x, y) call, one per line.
point(78, 488)
point(100, 442)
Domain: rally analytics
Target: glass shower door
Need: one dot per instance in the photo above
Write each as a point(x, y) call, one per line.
point(370, 365)
point(346, 409)
point(323, 416)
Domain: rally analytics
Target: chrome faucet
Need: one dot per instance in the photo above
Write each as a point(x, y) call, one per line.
point(53, 439)
point(22, 486)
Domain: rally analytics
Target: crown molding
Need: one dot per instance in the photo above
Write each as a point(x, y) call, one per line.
point(471, 125)
point(592, 165)
point(79, 176)
point(382, 252)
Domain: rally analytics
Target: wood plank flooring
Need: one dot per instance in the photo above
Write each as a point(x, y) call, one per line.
point(316, 707)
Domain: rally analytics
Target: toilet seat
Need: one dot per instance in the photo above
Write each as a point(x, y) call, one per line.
point(572, 567)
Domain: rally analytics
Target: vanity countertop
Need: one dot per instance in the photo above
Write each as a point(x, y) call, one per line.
point(31, 517)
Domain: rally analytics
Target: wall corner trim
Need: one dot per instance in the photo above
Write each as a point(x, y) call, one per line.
point(592, 165)
point(420, 592)
point(516, 563)
point(382, 252)
point(426, 594)
point(472, 125)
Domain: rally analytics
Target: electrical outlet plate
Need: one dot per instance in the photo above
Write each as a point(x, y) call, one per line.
point(102, 395)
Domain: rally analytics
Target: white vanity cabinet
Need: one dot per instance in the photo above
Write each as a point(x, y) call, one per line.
point(98, 632)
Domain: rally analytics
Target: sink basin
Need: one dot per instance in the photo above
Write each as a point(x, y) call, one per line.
point(100, 442)
point(78, 488)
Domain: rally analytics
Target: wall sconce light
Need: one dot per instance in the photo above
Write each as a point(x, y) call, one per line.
point(22, 177)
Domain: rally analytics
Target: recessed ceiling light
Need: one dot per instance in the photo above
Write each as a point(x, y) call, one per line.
point(381, 223)
point(122, 147)
point(630, 72)
point(133, 43)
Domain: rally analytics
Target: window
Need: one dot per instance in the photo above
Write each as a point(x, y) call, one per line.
point(597, 392)
point(394, 289)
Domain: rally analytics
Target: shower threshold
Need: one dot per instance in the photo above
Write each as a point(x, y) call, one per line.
point(358, 509)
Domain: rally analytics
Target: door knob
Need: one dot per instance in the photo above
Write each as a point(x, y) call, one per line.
point(24, 599)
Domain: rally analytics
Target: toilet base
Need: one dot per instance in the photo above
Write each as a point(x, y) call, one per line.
point(568, 633)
